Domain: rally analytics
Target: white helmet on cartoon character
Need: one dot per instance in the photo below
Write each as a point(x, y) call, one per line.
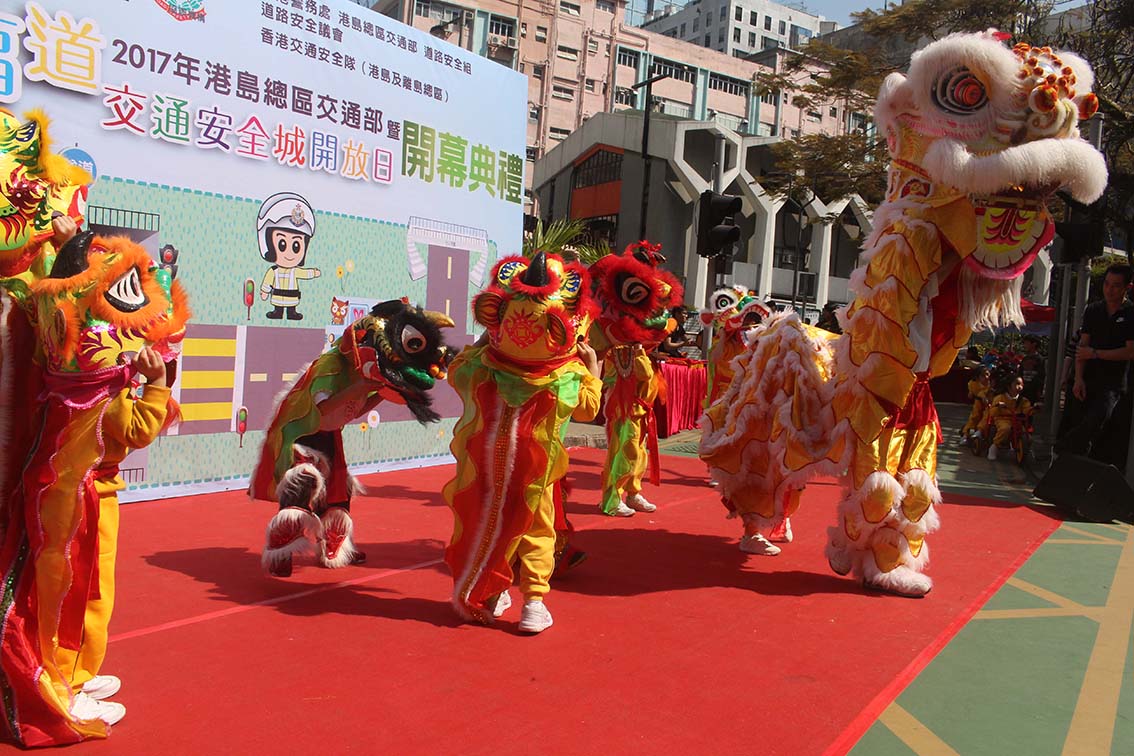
point(287, 211)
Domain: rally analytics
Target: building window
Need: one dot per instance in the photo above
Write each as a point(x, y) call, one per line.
point(627, 57)
point(600, 168)
point(675, 70)
point(533, 112)
point(783, 27)
point(537, 71)
point(728, 84)
point(720, 36)
point(571, 9)
point(604, 5)
point(532, 153)
point(541, 34)
point(681, 32)
point(421, 8)
point(567, 53)
point(562, 93)
point(523, 30)
point(559, 133)
point(502, 27)
point(696, 22)
point(814, 115)
point(735, 34)
point(592, 46)
point(833, 112)
point(624, 96)
point(768, 98)
point(769, 43)
point(589, 85)
point(751, 39)
point(708, 40)
point(724, 12)
point(754, 18)
point(739, 15)
point(768, 23)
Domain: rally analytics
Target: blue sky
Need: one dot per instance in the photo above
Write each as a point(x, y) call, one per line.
point(840, 10)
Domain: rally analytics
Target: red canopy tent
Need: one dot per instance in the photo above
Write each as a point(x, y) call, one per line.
point(1034, 313)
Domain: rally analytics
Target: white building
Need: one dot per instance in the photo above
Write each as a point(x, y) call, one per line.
point(738, 27)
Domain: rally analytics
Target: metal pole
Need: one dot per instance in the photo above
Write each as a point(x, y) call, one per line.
point(798, 257)
point(1061, 317)
point(646, 158)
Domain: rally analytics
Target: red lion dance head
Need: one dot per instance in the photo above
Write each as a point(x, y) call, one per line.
point(635, 295)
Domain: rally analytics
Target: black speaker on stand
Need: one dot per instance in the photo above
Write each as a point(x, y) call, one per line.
point(1088, 489)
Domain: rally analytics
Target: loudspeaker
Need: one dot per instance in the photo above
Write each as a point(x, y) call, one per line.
point(1088, 489)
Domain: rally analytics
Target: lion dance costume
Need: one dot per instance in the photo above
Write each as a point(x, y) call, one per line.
point(724, 305)
point(979, 136)
point(93, 306)
point(634, 296)
point(519, 389)
point(396, 353)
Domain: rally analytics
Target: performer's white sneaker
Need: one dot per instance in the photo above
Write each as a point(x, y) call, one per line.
point(535, 617)
point(759, 545)
point(88, 709)
point(101, 687)
point(992, 453)
point(639, 503)
point(502, 603)
point(622, 511)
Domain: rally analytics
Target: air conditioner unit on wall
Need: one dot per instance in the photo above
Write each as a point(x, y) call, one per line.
point(499, 40)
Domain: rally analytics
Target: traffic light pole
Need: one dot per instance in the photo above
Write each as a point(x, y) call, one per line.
point(649, 85)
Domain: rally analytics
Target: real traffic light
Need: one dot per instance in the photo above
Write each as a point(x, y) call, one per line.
point(716, 231)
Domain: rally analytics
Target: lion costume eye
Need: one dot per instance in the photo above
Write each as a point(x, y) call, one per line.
point(960, 92)
point(413, 341)
point(634, 290)
point(126, 293)
point(723, 302)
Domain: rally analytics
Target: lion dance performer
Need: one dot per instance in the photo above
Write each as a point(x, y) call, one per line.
point(725, 302)
point(105, 316)
point(397, 353)
point(634, 296)
point(519, 386)
point(979, 136)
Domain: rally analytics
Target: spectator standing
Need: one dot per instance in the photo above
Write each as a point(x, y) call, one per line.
point(1106, 346)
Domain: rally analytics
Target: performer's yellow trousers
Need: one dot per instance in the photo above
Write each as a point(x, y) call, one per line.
point(626, 460)
point(534, 551)
point(1003, 430)
point(974, 417)
point(85, 663)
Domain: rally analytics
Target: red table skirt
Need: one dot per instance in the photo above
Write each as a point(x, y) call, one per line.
point(686, 386)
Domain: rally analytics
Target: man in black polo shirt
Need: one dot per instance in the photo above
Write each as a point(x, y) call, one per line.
point(1106, 347)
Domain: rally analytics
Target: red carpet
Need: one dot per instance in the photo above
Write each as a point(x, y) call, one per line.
point(667, 639)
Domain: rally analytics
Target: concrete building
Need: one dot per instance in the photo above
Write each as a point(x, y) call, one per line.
point(597, 173)
point(738, 27)
point(581, 59)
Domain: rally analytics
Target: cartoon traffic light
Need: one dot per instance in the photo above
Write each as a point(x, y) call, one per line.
point(716, 231)
point(169, 256)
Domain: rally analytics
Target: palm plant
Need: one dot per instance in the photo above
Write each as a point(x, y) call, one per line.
point(562, 237)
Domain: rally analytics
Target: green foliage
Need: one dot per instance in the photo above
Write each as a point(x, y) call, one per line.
point(566, 238)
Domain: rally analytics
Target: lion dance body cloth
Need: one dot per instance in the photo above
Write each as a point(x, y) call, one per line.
point(104, 301)
point(979, 136)
point(518, 389)
point(394, 353)
point(634, 295)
